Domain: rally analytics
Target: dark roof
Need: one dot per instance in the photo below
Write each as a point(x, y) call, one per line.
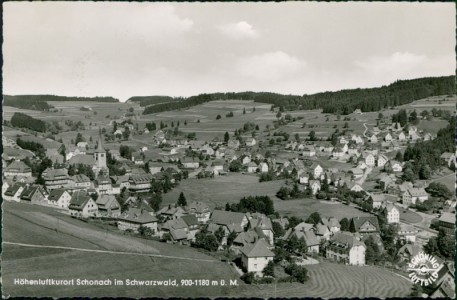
point(18, 166)
point(29, 191)
point(222, 217)
point(79, 200)
point(357, 222)
point(55, 195)
point(345, 239)
point(13, 189)
point(259, 249)
point(136, 215)
point(190, 220)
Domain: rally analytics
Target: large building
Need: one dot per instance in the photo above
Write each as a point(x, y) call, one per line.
point(56, 179)
point(345, 247)
point(446, 223)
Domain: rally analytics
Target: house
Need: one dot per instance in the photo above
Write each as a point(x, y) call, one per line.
point(316, 170)
point(447, 158)
point(446, 223)
point(357, 173)
point(393, 166)
point(407, 233)
point(263, 167)
point(315, 186)
point(373, 139)
point(322, 232)
point(190, 163)
point(207, 149)
point(309, 151)
point(140, 183)
point(133, 218)
point(246, 238)
point(103, 184)
point(34, 194)
point(392, 213)
point(13, 193)
point(408, 251)
point(255, 257)
point(250, 142)
point(56, 179)
point(332, 223)
point(234, 221)
point(60, 198)
point(355, 187)
point(5, 186)
point(385, 181)
point(252, 167)
point(369, 159)
point(137, 158)
point(387, 137)
point(338, 151)
point(411, 195)
point(233, 143)
point(199, 210)
point(82, 205)
point(358, 111)
point(260, 222)
point(108, 206)
point(357, 139)
point(80, 182)
point(345, 247)
point(19, 169)
point(177, 229)
point(376, 199)
point(246, 160)
point(171, 212)
point(382, 160)
point(303, 178)
point(401, 137)
point(364, 225)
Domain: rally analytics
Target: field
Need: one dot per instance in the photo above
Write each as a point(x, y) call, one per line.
point(231, 188)
point(410, 216)
point(327, 280)
point(448, 180)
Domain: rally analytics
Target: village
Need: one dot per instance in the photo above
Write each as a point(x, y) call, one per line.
point(373, 205)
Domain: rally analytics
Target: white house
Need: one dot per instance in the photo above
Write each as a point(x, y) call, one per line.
point(13, 193)
point(411, 195)
point(60, 198)
point(251, 142)
point(255, 257)
point(136, 217)
point(392, 213)
point(382, 160)
point(315, 186)
point(393, 166)
point(82, 205)
point(317, 170)
point(370, 160)
point(345, 247)
point(373, 139)
point(18, 168)
point(309, 151)
point(263, 167)
point(252, 167)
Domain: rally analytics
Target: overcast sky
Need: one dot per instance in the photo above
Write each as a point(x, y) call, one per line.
point(183, 49)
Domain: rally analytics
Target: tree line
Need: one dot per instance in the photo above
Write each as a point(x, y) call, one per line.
point(21, 120)
point(39, 102)
point(340, 102)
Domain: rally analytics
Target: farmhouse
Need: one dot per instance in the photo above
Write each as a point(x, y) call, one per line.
point(263, 167)
point(190, 163)
point(252, 167)
point(82, 205)
point(134, 218)
point(315, 186)
point(376, 200)
point(345, 247)
point(446, 223)
point(81, 182)
point(255, 257)
point(60, 198)
point(317, 170)
point(140, 183)
point(56, 178)
point(309, 151)
point(407, 233)
point(369, 159)
point(19, 169)
point(364, 225)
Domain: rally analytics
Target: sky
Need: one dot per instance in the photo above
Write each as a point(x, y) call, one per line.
point(183, 49)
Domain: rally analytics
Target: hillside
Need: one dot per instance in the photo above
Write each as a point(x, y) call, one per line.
point(40, 102)
point(150, 100)
point(341, 102)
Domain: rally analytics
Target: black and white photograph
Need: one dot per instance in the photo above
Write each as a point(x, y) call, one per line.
point(228, 149)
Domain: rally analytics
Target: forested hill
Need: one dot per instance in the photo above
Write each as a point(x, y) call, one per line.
point(343, 102)
point(150, 100)
point(39, 102)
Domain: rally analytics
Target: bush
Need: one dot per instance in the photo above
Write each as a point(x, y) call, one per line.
point(248, 277)
point(298, 272)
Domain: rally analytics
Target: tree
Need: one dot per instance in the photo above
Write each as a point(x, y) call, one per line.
point(219, 234)
point(248, 278)
point(344, 224)
point(437, 189)
point(278, 231)
point(206, 241)
point(217, 117)
point(399, 156)
point(314, 218)
point(230, 238)
point(79, 138)
point(372, 251)
point(380, 116)
point(244, 110)
point(235, 166)
point(226, 137)
point(253, 109)
point(298, 272)
point(182, 200)
point(279, 114)
point(312, 135)
point(269, 269)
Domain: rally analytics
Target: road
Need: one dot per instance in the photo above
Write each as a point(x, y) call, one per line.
point(108, 251)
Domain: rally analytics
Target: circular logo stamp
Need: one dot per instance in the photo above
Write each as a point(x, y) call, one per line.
point(423, 269)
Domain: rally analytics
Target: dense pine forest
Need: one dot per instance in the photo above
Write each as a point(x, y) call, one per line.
point(340, 102)
point(24, 121)
point(39, 102)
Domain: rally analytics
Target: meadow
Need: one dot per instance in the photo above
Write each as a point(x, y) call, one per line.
point(231, 188)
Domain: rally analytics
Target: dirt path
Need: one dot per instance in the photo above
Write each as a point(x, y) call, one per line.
point(108, 251)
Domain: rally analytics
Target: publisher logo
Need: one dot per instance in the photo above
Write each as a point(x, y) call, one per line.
point(423, 269)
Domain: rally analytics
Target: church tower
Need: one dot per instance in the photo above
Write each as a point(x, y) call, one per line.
point(100, 156)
